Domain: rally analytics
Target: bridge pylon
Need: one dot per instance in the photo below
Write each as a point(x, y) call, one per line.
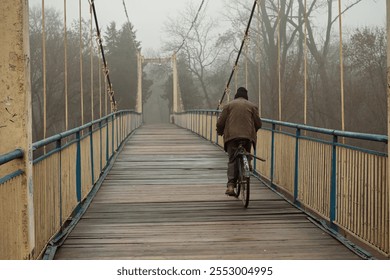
point(177, 104)
point(16, 124)
point(388, 101)
point(140, 59)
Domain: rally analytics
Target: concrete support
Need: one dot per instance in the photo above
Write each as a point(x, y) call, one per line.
point(388, 105)
point(139, 86)
point(15, 108)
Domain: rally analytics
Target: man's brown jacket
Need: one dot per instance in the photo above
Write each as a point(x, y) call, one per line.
point(239, 119)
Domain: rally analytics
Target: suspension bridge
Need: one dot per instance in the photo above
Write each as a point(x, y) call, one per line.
point(117, 188)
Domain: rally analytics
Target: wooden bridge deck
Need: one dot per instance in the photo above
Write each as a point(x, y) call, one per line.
point(164, 199)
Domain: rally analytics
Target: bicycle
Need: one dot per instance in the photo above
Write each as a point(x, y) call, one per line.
point(244, 173)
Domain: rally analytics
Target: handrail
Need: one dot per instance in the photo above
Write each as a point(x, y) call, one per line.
point(16, 154)
point(67, 133)
point(332, 132)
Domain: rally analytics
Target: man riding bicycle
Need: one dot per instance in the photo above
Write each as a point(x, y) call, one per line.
point(238, 123)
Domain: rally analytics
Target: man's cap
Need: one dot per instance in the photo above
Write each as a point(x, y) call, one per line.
point(241, 92)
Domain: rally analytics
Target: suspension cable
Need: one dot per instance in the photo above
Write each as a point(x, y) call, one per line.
point(259, 24)
point(66, 67)
point(91, 58)
point(239, 54)
point(341, 70)
point(100, 85)
point(192, 26)
point(246, 60)
point(105, 67)
point(44, 71)
point(81, 67)
point(138, 104)
point(129, 23)
point(279, 64)
point(305, 64)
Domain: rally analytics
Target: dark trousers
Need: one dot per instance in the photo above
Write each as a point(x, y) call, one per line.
point(232, 170)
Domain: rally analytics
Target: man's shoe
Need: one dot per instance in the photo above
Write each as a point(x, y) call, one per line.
point(230, 190)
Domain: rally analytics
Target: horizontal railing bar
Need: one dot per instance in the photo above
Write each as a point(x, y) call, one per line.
point(333, 132)
point(11, 176)
point(70, 132)
point(58, 149)
point(348, 134)
point(330, 142)
point(16, 154)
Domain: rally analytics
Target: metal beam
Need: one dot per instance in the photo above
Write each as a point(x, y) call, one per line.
point(158, 60)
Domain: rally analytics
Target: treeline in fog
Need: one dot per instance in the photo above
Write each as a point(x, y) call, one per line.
point(277, 61)
point(121, 48)
point(209, 53)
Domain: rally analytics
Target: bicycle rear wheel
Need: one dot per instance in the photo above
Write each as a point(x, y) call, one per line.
point(243, 185)
point(245, 190)
point(240, 175)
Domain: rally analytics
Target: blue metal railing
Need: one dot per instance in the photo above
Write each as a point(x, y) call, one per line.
point(68, 169)
point(334, 143)
point(8, 157)
point(323, 152)
point(18, 153)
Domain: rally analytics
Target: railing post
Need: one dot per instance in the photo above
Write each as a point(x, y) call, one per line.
point(296, 175)
point(101, 146)
point(216, 134)
point(78, 167)
point(196, 122)
point(15, 116)
point(191, 122)
point(211, 126)
point(91, 154)
point(113, 134)
point(272, 153)
point(205, 115)
point(107, 142)
point(59, 148)
point(199, 122)
point(254, 159)
point(117, 124)
point(333, 182)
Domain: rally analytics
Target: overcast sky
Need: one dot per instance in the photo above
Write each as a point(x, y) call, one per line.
point(148, 16)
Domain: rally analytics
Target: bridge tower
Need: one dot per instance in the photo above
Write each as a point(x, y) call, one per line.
point(139, 85)
point(175, 99)
point(15, 119)
point(177, 103)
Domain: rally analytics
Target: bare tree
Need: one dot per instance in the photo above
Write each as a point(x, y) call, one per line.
point(365, 63)
point(279, 38)
point(198, 46)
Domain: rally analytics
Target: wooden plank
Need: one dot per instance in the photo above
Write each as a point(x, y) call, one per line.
point(164, 199)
